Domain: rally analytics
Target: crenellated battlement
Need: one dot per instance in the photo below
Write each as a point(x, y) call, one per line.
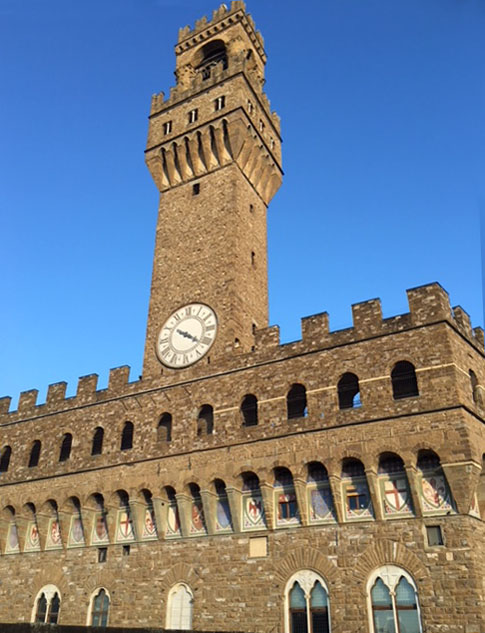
point(221, 19)
point(427, 305)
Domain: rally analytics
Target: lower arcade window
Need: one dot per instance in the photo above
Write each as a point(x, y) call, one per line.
point(307, 602)
point(394, 602)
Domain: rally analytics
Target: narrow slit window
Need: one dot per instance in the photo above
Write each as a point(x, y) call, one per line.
point(127, 437)
point(35, 454)
point(167, 127)
point(193, 115)
point(220, 103)
point(66, 446)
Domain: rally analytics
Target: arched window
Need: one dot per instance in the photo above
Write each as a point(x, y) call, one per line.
point(223, 512)
point(393, 486)
point(124, 521)
point(355, 490)
point(435, 493)
point(35, 454)
point(99, 608)
point(197, 522)
point(210, 55)
point(252, 502)
point(127, 437)
point(47, 605)
point(307, 608)
point(393, 601)
point(5, 459)
point(76, 527)
point(249, 410)
point(348, 392)
point(165, 428)
point(285, 498)
point(404, 382)
point(319, 494)
point(296, 404)
point(179, 608)
point(173, 519)
point(97, 446)
point(205, 420)
point(149, 530)
point(66, 445)
point(99, 534)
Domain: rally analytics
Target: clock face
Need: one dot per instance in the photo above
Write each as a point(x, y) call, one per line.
point(186, 335)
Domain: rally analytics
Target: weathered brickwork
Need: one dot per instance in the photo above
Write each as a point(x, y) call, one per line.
point(171, 506)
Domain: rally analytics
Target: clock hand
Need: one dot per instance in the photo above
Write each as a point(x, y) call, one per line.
point(188, 335)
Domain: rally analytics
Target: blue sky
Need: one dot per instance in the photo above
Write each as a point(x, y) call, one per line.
point(382, 108)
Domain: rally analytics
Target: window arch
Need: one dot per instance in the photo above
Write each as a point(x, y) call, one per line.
point(348, 392)
point(319, 493)
point(205, 420)
point(296, 402)
point(306, 604)
point(249, 410)
point(35, 454)
point(47, 605)
point(223, 511)
point(393, 486)
point(393, 601)
point(180, 604)
point(97, 445)
point(208, 56)
point(252, 501)
point(127, 437)
point(285, 498)
point(404, 381)
point(66, 445)
point(99, 608)
point(5, 459)
point(355, 490)
point(173, 519)
point(197, 519)
point(124, 521)
point(165, 428)
point(434, 491)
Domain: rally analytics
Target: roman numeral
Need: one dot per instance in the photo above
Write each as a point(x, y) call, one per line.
point(206, 340)
point(209, 328)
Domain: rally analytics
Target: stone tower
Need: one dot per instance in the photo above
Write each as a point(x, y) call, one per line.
point(214, 151)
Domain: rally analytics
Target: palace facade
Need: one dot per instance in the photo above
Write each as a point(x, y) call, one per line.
point(333, 484)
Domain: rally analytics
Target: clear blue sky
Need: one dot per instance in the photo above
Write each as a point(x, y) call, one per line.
point(382, 106)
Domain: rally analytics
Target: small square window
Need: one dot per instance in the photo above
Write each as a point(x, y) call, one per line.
point(167, 127)
point(126, 550)
point(193, 115)
point(102, 554)
point(251, 208)
point(220, 103)
point(434, 534)
point(196, 189)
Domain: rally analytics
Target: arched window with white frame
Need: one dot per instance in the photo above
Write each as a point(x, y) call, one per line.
point(99, 608)
point(393, 601)
point(47, 605)
point(306, 604)
point(180, 608)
